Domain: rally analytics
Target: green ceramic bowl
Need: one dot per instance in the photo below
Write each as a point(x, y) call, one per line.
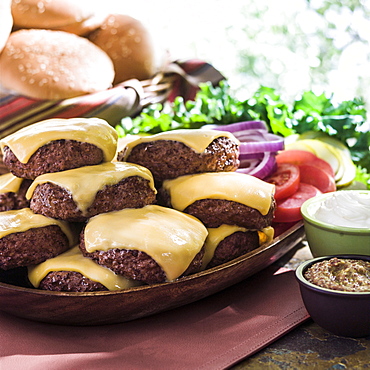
point(327, 239)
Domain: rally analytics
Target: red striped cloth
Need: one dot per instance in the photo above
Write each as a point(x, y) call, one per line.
point(123, 100)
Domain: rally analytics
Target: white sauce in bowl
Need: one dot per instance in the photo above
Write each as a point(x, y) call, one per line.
point(346, 208)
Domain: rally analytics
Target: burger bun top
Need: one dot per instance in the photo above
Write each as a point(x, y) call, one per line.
point(130, 46)
point(46, 64)
point(77, 17)
point(6, 22)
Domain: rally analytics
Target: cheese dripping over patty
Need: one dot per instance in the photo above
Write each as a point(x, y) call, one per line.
point(232, 186)
point(21, 220)
point(10, 183)
point(26, 141)
point(170, 237)
point(197, 139)
point(83, 183)
point(73, 260)
point(217, 235)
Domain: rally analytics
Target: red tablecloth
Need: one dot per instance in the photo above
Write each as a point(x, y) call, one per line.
point(213, 333)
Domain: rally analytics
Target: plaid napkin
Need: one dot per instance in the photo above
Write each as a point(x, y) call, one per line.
point(123, 100)
point(213, 333)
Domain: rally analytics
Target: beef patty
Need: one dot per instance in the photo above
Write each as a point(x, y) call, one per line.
point(32, 246)
point(216, 212)
point(58, 155)
point(134, 264)
point(168, 159)
point(54, 201)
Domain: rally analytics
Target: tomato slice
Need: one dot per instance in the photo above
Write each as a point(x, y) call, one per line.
point(286, 180)
point(289, 209)
point(300, 157)
point(317, 177)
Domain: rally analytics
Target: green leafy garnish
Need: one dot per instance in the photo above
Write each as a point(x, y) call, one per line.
point(344, 121)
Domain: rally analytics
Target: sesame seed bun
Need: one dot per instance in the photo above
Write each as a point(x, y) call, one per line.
point(6, 22)
point(45, 64)
point(128, 43)
point(77, 17)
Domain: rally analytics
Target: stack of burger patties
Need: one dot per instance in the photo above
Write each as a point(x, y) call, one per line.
point(151, 210)
point(61, 49)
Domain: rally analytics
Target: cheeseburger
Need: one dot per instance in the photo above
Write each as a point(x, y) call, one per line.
point(230, 198)
point(176, 153)
point(72, 272)
point(13, 192)
point(28, 239)
point(152, 244)
point(58, 144)
point(78, 194)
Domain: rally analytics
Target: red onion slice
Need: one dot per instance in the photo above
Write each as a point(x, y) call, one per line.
point(262, 169)
point(261, 147)
point(241, 126)
point(258, 147)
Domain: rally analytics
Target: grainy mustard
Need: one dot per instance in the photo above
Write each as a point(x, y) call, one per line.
point(349, 275)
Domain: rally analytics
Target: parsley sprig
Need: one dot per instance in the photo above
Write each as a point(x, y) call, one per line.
point(345, 121)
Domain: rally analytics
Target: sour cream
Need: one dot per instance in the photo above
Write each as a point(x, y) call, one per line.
point(346, 208)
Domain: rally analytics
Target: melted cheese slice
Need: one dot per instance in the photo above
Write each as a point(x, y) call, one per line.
point(73, 260)
point(198, 140)
point(170, 237)
point(84, 182)
point(27, 140)
point(10, 183)
point(233, 186)
point(21, 220)
point(216, 235)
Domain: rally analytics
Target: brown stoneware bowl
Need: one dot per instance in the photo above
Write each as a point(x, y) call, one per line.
point(99, 308)
point(340, 312)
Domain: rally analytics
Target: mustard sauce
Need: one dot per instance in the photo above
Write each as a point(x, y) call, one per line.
point(344, 274)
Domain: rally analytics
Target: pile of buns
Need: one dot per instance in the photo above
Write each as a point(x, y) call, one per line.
point(60, 49)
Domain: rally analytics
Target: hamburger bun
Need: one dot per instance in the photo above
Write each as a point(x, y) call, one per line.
point(129, 45)
point(76, 17)
point(6, 22)
point(45, 64)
